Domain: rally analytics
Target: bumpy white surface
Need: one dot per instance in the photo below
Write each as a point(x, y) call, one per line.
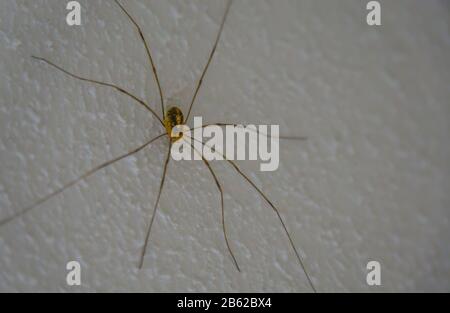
point(371, 183)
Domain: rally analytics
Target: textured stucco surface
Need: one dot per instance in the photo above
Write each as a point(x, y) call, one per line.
point(371, 183)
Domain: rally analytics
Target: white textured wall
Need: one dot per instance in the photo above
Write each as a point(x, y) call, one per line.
point(371, 183)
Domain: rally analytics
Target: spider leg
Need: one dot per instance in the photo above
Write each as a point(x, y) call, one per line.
point(222, 206)
point(275, 209)
point(73, 182)
point(227, 9)
point(147, 49)
point(120, 89)
point(147, 236)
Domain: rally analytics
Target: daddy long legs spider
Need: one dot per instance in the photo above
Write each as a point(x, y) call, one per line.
point(168, 119)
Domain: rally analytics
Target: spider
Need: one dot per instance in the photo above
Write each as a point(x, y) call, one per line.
point(170, 119)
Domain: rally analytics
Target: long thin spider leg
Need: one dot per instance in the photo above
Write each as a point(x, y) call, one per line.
point(257, 131)
point(222, 205)
point(120, 89)
point(227, 9)
point(147, 49)
point(147, 237)
point(271, 205)
point(73, 182)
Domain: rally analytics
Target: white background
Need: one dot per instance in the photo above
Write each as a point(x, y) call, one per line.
point(370, 183)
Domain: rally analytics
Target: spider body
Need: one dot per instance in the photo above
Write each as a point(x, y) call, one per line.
point(174, 117)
